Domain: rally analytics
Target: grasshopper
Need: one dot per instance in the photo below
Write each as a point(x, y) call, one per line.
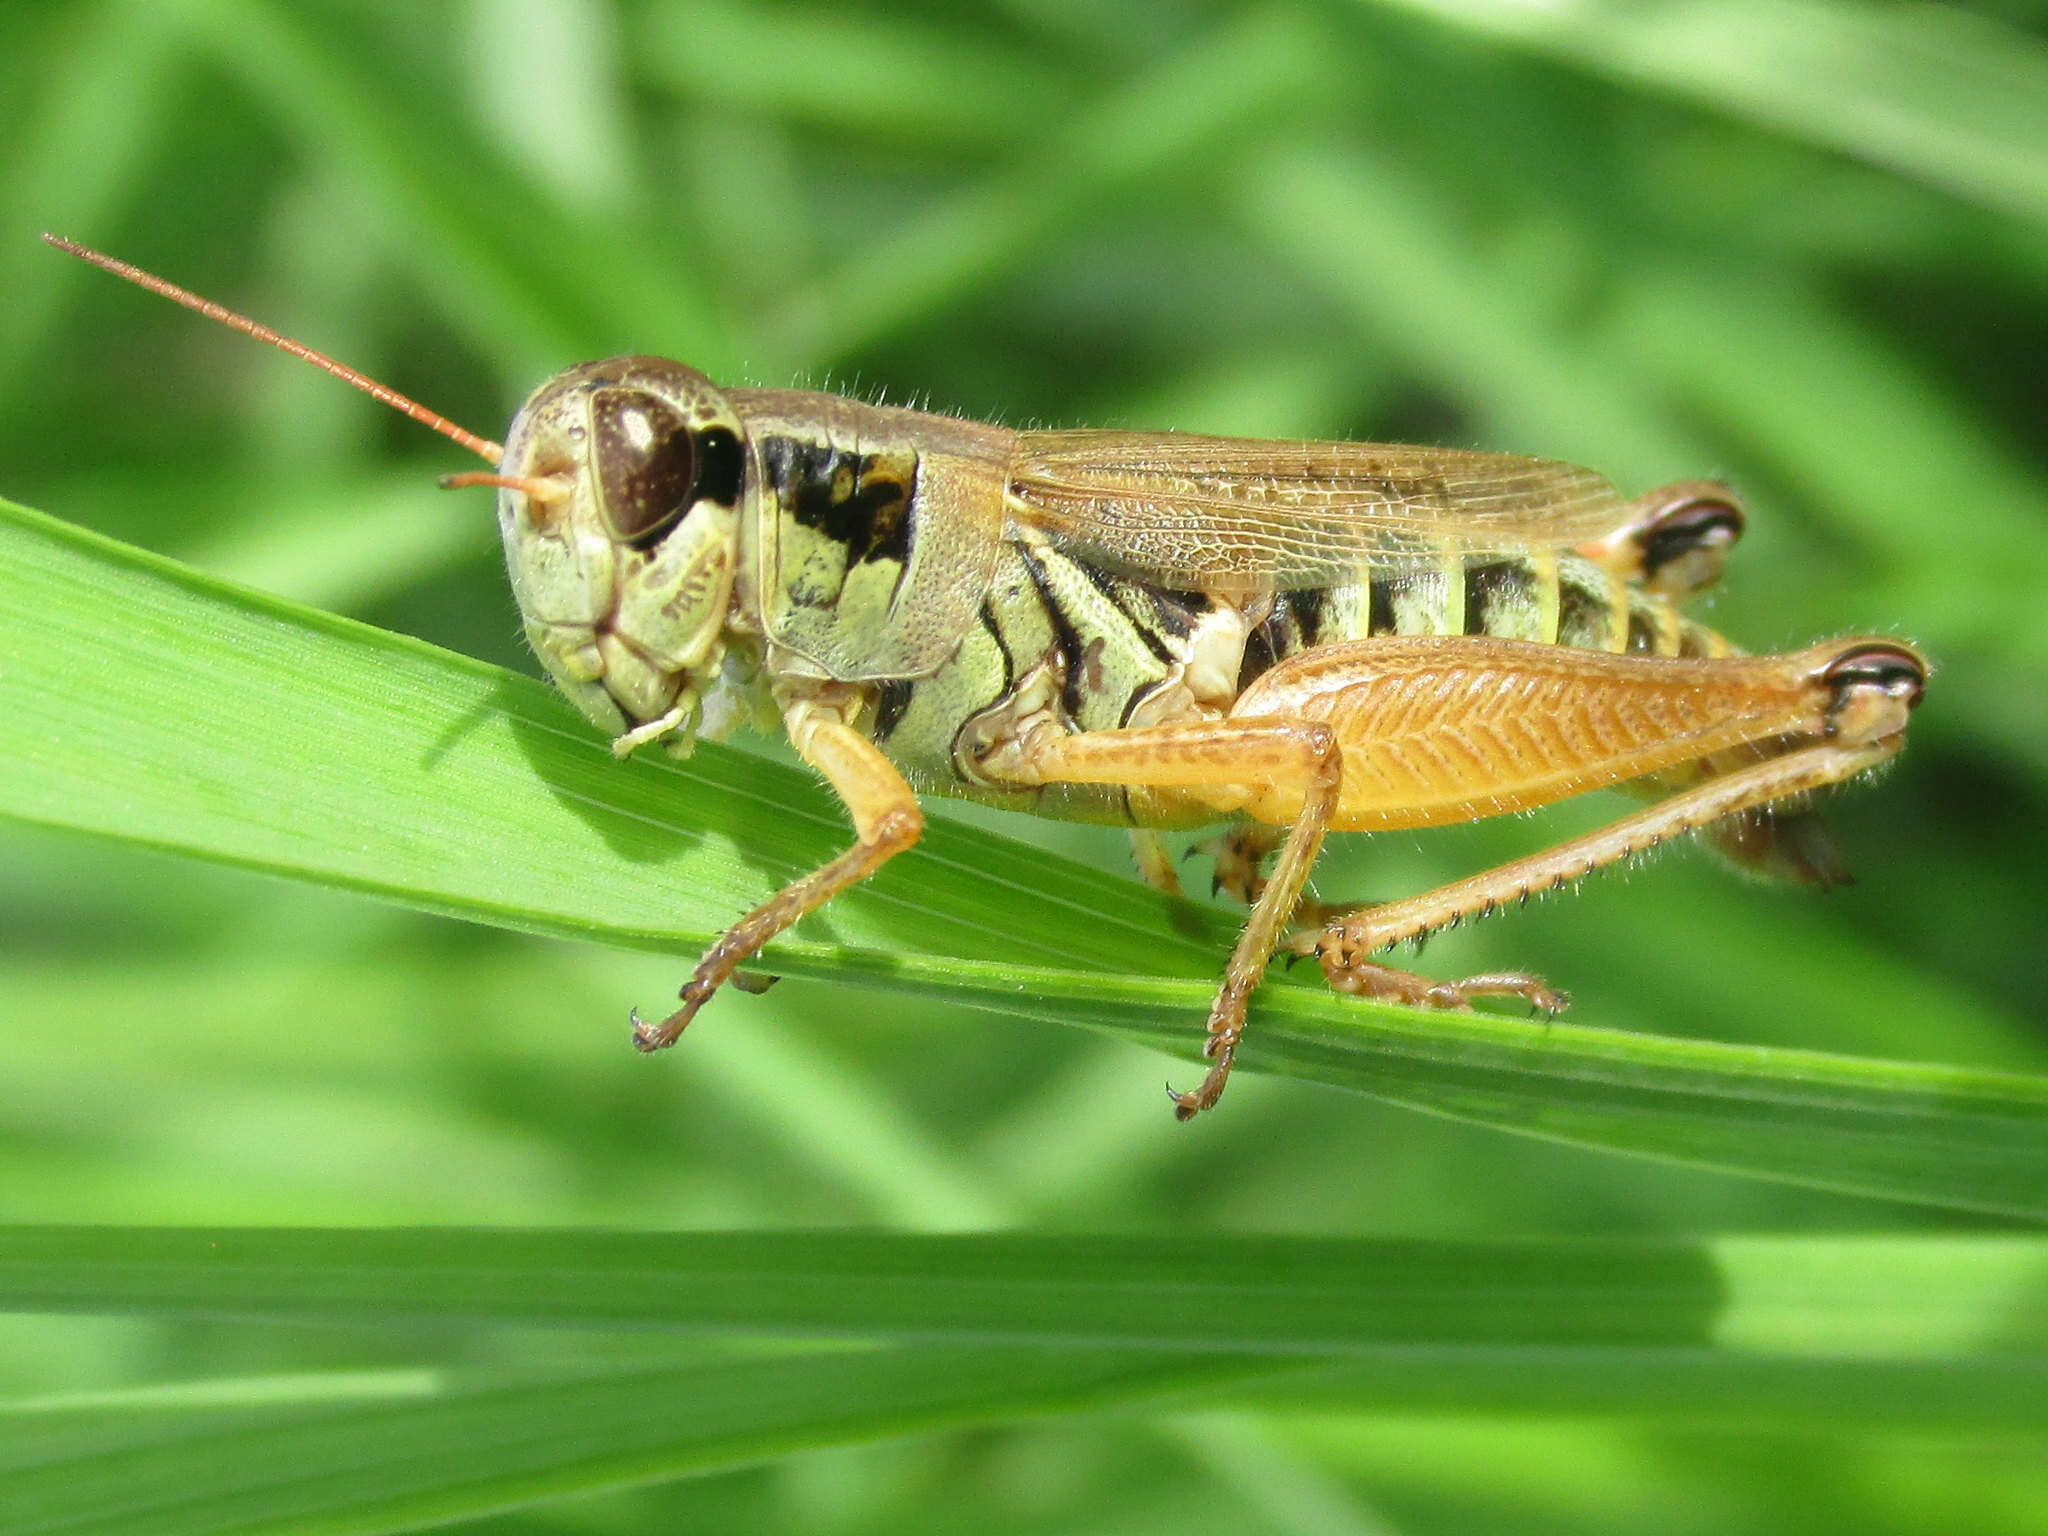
point(1161, 631)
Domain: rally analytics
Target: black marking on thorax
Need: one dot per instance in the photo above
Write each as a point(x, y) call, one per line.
point(1065, 636)
point(892, 698)
point(1157, 615)
point(994, 630)
point(860, 501)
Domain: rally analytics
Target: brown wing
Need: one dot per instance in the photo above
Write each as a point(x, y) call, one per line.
point(1217, 512)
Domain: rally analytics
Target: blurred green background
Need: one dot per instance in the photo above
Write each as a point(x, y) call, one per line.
point(1800, 246)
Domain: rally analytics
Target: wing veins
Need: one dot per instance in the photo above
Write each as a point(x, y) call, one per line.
point(1186, 508)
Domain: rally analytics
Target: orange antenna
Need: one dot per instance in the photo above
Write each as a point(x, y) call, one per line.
point(481, 446)
point(545, 489)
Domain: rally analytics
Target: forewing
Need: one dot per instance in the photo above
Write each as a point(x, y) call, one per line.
point(1217, 512)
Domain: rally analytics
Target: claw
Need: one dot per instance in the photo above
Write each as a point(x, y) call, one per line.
point(1368, 978)
point(659, 1037)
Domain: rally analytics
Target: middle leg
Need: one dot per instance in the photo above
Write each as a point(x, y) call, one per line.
point(1206, 758)
point(1240, 854)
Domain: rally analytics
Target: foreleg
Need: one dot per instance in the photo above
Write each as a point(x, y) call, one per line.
point(886, 820)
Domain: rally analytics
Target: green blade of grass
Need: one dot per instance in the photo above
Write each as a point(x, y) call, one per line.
point(1916, 1332)
point(143, 701)
point(332, 1453)
point(1934, 91)
point(1880, 1297)
point(1747, 1394)
point(464, 1445)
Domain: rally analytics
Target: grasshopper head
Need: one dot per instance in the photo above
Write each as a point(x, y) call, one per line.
point(623, 538)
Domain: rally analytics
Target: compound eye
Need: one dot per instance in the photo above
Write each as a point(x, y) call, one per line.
point(646, 461)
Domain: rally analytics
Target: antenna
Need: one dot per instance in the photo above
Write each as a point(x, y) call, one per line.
point(482, 447)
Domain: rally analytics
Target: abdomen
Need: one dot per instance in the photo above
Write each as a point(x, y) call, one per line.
point(1550, 599)
point(1060, 640)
